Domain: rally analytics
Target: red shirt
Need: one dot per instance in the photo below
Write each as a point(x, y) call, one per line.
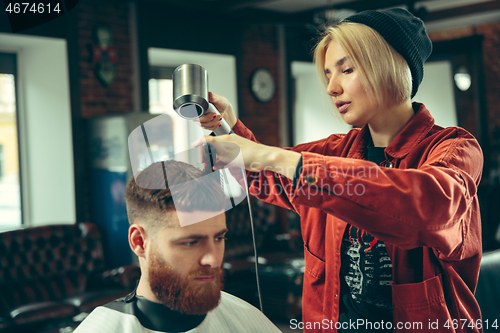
point(421, 203)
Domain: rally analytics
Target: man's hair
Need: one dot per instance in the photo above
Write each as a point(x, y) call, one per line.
point(150, 194)
point(383, 72)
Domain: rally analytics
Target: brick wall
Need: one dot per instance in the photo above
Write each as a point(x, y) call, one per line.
point(491, 59)
point(260, 49)
point(491, 65)
point(97, 99)
point(491, 74)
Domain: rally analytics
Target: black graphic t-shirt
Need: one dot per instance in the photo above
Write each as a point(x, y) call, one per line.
point(366, 269)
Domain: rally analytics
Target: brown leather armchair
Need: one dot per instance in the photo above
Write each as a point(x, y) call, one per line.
point(52, 273)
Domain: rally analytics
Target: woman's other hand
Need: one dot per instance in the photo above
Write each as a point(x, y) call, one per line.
point(256, 157)
point(211, 121)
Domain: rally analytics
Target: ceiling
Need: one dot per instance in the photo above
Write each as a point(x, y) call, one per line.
point(438, 14)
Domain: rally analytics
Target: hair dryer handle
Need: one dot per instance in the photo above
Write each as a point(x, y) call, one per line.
point(224, 129)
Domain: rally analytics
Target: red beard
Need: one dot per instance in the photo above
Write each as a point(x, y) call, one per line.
point(184, 295)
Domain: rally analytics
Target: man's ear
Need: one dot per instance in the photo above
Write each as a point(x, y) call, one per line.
point(137, 240)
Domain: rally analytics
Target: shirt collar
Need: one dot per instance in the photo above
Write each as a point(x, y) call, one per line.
point(410, 136)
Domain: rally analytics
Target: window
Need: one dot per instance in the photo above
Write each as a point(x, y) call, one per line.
point(10, 189)
point(43, 116)
point(161, 102)
point(310, 104)
point(2, 161)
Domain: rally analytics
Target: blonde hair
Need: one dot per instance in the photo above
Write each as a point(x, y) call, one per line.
point(384, 73)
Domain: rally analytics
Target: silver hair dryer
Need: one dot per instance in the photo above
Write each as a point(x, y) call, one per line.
point(190, 83)
point(190, 86)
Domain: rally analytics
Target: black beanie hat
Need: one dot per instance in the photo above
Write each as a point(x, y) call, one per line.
point(405, 33)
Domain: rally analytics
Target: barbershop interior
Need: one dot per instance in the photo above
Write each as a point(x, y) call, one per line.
point(73, 89)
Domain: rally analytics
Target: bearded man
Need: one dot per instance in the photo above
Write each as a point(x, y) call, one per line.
point(181, 275)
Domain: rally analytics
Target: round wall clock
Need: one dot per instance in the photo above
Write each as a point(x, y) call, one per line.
point(262, 85)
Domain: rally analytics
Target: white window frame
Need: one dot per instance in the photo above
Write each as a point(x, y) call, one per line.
point(45, 130)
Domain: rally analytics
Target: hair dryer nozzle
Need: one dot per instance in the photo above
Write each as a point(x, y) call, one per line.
point(190, 111)
point(190, 88)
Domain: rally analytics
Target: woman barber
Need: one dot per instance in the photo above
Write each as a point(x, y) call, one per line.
point(389, 211)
